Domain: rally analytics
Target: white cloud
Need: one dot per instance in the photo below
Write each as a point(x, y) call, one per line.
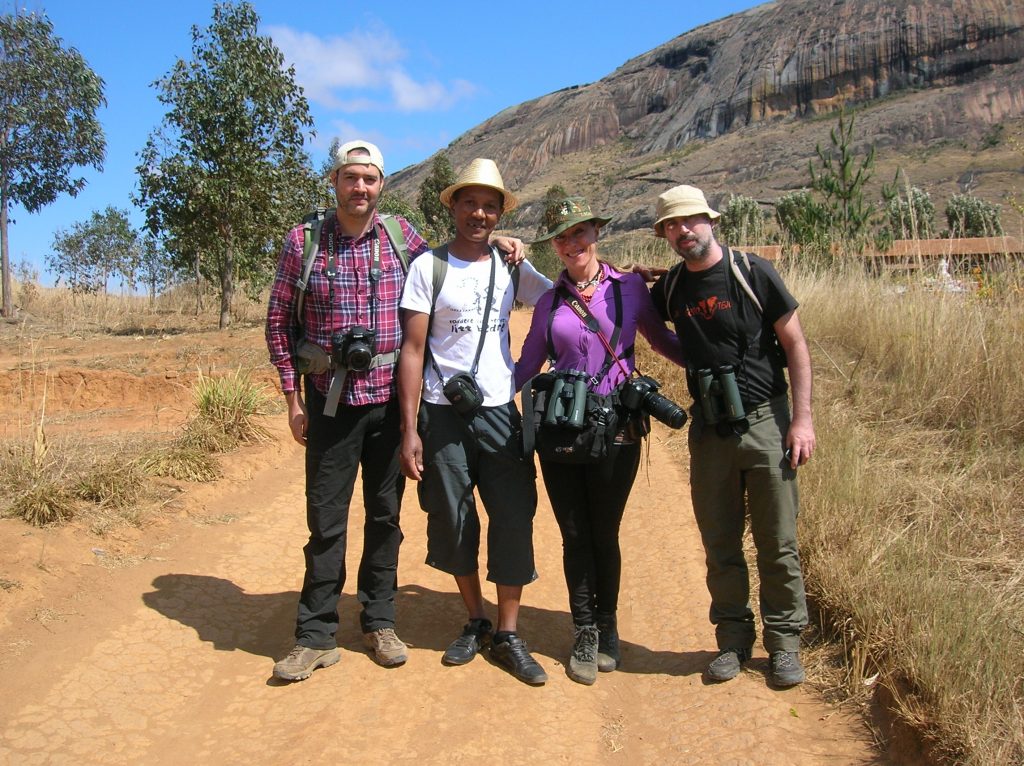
point(333, 71)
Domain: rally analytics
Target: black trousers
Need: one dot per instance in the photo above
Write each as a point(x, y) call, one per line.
point(368, 437)
point(588, 501)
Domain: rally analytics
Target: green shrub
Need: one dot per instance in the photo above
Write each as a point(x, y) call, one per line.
point(969, 216)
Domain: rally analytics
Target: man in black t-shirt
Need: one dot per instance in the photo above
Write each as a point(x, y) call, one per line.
point(744, 444)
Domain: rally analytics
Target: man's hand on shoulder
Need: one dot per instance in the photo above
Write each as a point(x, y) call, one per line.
point(513, 248)
point(648, 273)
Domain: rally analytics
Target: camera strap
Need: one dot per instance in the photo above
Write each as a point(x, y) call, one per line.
point(442, 253)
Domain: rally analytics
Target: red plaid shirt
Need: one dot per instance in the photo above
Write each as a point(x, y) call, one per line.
point(355, 303)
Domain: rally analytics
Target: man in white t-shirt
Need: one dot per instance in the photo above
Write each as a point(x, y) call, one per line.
point(455, 352)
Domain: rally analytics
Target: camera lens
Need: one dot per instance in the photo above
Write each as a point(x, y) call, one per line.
point(665, 410)
point(359, 356)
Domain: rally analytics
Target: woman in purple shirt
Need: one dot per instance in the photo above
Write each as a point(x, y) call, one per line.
point(589, 499)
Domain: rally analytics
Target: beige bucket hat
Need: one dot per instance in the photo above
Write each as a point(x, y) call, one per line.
point(480, 172)
point(566, 213)
point(342, 156)
point(678, 202)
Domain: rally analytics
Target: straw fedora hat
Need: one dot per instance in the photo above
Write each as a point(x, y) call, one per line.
point(566, 213)
point(480, 172)
point(679, 202)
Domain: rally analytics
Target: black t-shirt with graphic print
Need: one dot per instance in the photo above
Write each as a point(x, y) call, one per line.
point(712, 306)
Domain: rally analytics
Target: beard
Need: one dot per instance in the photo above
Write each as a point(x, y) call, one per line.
point(692, 247)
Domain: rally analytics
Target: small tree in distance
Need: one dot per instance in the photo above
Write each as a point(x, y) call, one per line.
point(543, 255)
point(87, 256)
point(742, 222)
point(48, 126)
point(438, 219)
point(969, 216)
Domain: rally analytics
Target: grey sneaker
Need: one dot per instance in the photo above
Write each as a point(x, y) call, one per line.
point(583, 660)
point(302, 661)
point(727, 664)
point(387, 648)
point(785, 669)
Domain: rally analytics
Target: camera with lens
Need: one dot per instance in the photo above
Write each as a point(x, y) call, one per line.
point(640, 394)
point(720, 402)
point(353, 349)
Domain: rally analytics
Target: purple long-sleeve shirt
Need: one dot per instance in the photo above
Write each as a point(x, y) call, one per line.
point(576, 348)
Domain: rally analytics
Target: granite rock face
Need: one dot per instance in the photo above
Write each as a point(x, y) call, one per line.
point(790, 59)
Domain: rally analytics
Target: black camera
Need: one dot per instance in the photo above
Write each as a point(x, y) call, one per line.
point(464, 393)
point(353, 349)
point(640, 394)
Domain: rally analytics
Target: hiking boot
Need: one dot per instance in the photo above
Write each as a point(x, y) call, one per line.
point(387, 648)
point(608, 654)
point(583, 660)
point(302, 661)
point(512, 654)
point(475, 636)
point(784, 669)
point(727, 664)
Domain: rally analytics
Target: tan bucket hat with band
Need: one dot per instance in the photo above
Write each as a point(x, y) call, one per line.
point(343, 156)
point(565, 214)
point(679, 202)
point(480, 172)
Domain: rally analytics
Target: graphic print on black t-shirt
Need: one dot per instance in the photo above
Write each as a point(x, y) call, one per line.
point(719, 326)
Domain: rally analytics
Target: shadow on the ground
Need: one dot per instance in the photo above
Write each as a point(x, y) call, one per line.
point(263, 624)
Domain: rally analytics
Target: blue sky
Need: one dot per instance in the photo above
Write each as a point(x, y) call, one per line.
point(410, 76)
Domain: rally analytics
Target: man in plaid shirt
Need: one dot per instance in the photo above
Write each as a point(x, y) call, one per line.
point(355, 285)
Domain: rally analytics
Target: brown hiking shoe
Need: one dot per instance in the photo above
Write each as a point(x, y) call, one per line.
point(302, 661)
point(387, 648)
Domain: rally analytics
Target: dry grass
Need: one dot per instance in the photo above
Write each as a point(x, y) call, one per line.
point(911, 532)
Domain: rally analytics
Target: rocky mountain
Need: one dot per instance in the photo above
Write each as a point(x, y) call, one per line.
point(737, 104)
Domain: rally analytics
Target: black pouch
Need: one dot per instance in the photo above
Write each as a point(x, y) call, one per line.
point(463, 393)
point(566, 444)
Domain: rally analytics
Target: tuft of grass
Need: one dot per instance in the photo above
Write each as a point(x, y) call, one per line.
point(115, 481)
point(228, 410)
point(181, 461)
point(46, 502)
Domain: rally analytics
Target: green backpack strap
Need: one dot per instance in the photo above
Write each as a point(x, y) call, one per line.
point(397, 239)
point(312, 225)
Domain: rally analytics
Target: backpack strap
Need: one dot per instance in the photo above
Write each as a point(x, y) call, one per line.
point(396, 237)
point(312, 225)
point(742, 275)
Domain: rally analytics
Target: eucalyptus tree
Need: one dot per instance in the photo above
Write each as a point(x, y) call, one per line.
point(226, 172)
point(49, 97)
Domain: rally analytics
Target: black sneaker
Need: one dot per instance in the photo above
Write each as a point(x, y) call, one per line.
point(727, 664)
point(475, 636)
point(512, 654)
point(785, 669)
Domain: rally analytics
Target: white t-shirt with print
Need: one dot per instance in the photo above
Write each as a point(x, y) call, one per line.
point(458, 321)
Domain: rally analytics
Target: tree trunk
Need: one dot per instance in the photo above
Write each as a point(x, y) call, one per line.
point(199, 286)
point(5, 261)
point(227, 285)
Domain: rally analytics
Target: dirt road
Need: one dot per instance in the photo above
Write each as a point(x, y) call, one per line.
point(165, 658)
